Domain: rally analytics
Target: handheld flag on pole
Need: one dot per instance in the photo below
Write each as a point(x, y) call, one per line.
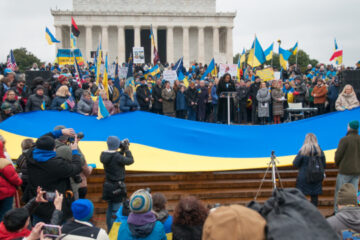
point(156, 54)
point(256, 55)
point(294, 50)
point(153, 71)
point(238, 70)
point(116, 95)
point(72, 41)
point(43, 106)
point(337, 55)
point(210, 69)
point(269, 52)
point(242, 58)
point(284, 56)
point(74, 28)
point(98, 63)
point(106, 77)
point(130, 75)
point(11, 63)
point(78, 75)
point(49, 37)
point(102, 111)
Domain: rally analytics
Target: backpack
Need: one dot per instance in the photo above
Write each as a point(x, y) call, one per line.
point(315, 170)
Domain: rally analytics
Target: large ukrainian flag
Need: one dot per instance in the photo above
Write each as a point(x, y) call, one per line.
point(256, 55)
point(269, 52)
point(183, 145)
point(66, 56)
point(210, 69)
point(49, 37)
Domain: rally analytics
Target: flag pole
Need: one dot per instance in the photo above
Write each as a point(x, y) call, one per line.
point(297, 51)
point(272, 57)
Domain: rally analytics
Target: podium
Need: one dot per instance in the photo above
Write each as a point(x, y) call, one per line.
point(228, 95)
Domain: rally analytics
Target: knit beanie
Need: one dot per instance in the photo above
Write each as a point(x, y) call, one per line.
point(234, 222)
point(82, 209)
point(140, 201)
point(347, 195)
point(354, 124)
point(45, 143)
point(113, 142)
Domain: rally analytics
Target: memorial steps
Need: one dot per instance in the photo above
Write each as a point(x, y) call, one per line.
point(231, 187)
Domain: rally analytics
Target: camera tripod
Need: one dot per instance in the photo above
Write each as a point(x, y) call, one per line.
point(274, 173)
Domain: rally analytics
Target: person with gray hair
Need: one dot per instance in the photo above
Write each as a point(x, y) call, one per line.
point(85, 105)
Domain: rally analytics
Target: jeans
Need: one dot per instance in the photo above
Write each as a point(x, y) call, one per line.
point(113, 207)
point(215, 112)
point(191, 114)
point(5, 205)
point(341, 180)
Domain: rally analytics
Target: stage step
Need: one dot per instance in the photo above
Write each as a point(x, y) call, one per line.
point(231, 187)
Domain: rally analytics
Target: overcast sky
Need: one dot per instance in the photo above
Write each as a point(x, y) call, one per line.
point(314, 23)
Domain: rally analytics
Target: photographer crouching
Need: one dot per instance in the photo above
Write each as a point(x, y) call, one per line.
point(114, 160)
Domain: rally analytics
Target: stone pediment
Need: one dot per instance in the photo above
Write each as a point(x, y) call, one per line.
point(208, 6)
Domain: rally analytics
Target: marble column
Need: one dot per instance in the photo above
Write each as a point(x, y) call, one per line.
point(216, 43)
point(58, 33)
point(201, 45)
point(170, 44)
point(229, 45)
point(137, 36)
point(121, 44)
point(186, 50)
point(88, 42)
point(154, 28)
point(105, 39)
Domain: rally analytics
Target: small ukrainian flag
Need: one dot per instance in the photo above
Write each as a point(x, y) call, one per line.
point(65, 106)
point(269, 52)
point(294, 50)
point(43, 106)
point(102, 111)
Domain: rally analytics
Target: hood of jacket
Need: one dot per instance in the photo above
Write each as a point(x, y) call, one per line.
point(350, 217)
point(141, 231)
point(106, 156)
point(6, 235)
point(40, 155)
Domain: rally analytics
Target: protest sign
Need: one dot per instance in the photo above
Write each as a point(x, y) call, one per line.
point(170, 75)
point(228, 68)
point(138, 53)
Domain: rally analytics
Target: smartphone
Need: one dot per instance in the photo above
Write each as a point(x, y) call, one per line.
point(51, 230)
point(50, 196)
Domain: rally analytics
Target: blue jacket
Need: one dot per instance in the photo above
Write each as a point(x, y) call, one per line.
point(180, 101)
point(157, 233)
point(56, 103)
point(167, 224)
point(333, 92)
point(126, 104)
point(214, 96)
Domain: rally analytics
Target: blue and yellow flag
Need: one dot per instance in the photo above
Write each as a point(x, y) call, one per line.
point(66, 56)
point(284, 56)
point(98, 66)
point(49, 37)
point(294, 50)
point(72, 41)
point(242, 58)
point(153, 71)
point(43, 106)
point(183, 78)
point(238, 70)
point(64, 106)
point(338, 60)
point(106, 77)
point(269, 52)
point(256, 56)
point(102, 111)
point(210, 69)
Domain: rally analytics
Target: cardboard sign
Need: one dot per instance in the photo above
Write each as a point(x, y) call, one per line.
point(228, 68)
point(139, 56)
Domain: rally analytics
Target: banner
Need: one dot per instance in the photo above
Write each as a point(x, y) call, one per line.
point(138, 53)
point(66, 57)
point(170, 75)
point(123, 72)
point(266, 74)
point(228, 68)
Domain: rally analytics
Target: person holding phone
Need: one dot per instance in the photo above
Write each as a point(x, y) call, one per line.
point(52, 173)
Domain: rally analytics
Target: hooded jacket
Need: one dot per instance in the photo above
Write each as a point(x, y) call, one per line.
point(346, 218)
point(34, 102)
point(346, 101)
point(85, 106)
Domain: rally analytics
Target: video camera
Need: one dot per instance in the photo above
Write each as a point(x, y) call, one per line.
point(80, 135)
point(124, 145)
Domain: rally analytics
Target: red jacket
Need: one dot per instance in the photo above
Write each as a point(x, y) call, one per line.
point(6, 235)
point(9, 179)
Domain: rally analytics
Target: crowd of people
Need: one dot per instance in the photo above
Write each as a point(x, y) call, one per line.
point(256, 101)
point(52, 172)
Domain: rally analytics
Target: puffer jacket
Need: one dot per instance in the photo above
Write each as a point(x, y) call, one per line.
point(57, 102)
point(35, 101)
point(126, 104)
point(9, 179)
point(346, 101)
point(85, 106)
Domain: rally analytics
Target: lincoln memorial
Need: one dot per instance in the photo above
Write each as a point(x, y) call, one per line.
point(182, 28)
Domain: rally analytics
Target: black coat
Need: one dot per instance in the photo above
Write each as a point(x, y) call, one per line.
point(35, 101)
point(243, 94)
point(254, 88)
point(52, 174)
point(301, 162)
point(191, 95)
point(126, 104)
point(143, 92)
point(156, 95)
point(185, 232)
point(222, 111)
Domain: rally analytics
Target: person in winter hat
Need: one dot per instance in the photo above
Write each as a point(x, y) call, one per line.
point(348, 216)
point(141, 223)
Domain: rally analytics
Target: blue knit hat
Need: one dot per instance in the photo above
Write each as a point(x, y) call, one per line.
point(354, 124)
point(113, 142)
point(82, 209)
point(140, 201)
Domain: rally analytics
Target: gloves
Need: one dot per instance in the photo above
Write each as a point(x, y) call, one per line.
point(93, 165)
